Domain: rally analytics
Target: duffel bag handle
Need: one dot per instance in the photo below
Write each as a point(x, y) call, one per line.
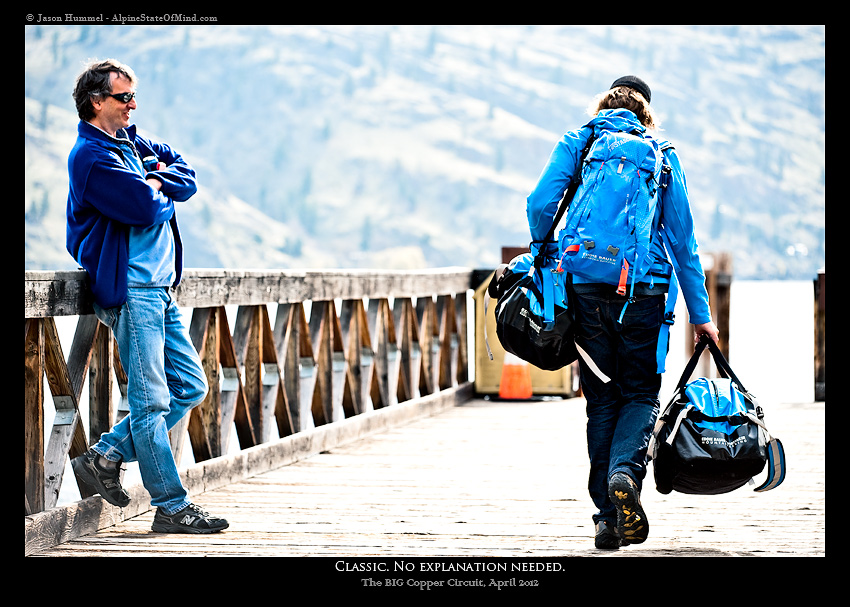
point(719, 360)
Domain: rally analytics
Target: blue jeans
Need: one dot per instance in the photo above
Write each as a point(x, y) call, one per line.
point(165, 380)
point(621, 413)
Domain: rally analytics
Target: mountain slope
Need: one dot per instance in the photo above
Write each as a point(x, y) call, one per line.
point(410, 146)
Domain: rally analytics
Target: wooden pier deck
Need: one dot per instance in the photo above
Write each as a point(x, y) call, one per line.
point(486, 478)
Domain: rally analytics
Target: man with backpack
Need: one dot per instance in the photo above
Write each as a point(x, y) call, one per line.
point(629, 212)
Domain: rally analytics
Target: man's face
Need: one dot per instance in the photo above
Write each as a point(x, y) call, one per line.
point(112, 114)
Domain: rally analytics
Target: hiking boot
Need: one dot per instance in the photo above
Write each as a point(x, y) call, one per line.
point(104, 479)
point(632, 524)
point(606, 536)
point(192, 519)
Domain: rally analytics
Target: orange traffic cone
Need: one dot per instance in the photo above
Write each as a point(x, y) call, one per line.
point(516, 378)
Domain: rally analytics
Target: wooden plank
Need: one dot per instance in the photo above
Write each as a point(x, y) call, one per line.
point(67, 293)
point(410, 351)
point(463, 345)
point(67, 434)
point(34, 416)
point(121, 377)
point(287, 353)
point(56, 294)
point(339, 368)
point(321, 336)
point(204, 421)
point(292, 337)
point(426, 316)
point(513, 487)
point(820, 335)
point(387, 360)
point(101, 369)
point(49, 528)
point(274, 411)
point(447, 374)
point(247, 343)
point(354, 335)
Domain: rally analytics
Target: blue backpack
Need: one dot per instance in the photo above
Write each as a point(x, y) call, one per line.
point(615, 215)
point(610, 225)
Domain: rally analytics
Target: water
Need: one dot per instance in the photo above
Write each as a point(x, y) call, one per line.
point(771, 350)
point(771, 341)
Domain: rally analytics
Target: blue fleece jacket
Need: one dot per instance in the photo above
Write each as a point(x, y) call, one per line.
point(108, 197)
point(542, 204)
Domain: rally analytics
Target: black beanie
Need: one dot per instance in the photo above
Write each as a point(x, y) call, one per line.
point(636, 83)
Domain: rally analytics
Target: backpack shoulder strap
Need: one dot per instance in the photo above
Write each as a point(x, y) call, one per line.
point(571, 190)
point(673, 290)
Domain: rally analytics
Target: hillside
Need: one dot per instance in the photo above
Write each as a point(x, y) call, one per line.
point(412, 146)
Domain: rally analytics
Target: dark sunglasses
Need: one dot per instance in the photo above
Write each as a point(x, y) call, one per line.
point(123, 97)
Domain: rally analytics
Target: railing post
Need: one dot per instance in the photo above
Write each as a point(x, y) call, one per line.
point(718, 283)
point(101, 368)
point(355, 337)
point(820, 336)
point(291, 349)
point(34, 415)
point(409, 348)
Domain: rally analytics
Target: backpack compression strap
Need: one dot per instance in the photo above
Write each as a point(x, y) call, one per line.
point(669, 308)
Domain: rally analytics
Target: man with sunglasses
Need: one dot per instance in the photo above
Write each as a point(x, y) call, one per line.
point(122, 229)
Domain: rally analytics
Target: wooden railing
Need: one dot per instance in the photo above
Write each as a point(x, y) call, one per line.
point(342, 343)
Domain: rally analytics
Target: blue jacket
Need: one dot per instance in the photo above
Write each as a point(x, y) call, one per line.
point(542, 205)
point(108, 195)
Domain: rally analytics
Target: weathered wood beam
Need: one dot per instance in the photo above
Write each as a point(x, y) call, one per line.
point(67, 293)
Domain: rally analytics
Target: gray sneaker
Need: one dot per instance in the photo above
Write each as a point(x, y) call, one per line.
point(192, 519)
point(606, 536)
point(103, 480)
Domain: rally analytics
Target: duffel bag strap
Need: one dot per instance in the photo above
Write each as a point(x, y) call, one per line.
point(594, 368)
point(775, 458)
point(722, 364)
point(682, 415)
point(486, 340)
point(653, 438)
point(526, 281)
point(692, 364)
point(775, 466)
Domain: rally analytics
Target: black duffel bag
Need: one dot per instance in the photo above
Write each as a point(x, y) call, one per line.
point(533, 319)
point(712, 438)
